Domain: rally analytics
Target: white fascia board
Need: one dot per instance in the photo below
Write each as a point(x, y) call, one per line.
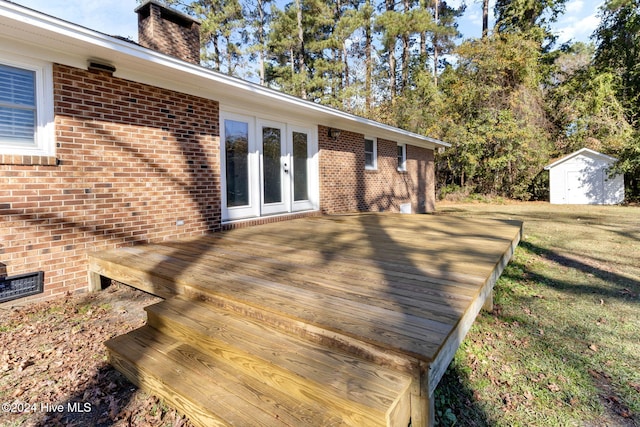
point(74, 45)
point(577, 153)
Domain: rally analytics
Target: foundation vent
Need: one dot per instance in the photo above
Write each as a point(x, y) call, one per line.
point(21, 286)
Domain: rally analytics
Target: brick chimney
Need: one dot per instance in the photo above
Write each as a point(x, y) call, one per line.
point(168, 31)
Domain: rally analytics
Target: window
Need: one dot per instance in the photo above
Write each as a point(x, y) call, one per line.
point(370, 153)
point(402, 157)
point(26, 108)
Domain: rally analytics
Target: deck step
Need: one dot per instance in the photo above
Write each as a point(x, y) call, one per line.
point(209, 390)
point(192, 353)
point(361, 390)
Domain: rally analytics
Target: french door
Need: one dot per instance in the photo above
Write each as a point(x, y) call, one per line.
point(267, 167)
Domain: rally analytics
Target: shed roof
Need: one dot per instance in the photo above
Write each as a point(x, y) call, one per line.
point(582, 151)
point(52, 39)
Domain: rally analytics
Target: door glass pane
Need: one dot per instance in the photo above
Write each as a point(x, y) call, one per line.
point(237, 162)
point(271, 153)
point(300, 187)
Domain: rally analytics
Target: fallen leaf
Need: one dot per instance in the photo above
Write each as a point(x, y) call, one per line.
point(25, 364)
point(17, 392)
point(553, 387)
point(593, 347)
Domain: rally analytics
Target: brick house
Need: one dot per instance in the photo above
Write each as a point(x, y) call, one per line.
point(105, 142)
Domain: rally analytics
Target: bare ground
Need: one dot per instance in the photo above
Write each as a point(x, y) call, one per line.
point(54, 369)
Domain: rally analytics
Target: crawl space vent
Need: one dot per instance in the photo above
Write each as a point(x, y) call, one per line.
point(21, 286)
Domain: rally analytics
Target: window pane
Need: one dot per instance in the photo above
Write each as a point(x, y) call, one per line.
point(300, 180)
point(368, 159)
point(17, 105)
point(17, 126)
point(237, 162)
point(368, 153)
point(271, 169)
point(400, 156)
point(368, 146)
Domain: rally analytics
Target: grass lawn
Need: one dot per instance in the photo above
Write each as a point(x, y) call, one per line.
point(562, 346)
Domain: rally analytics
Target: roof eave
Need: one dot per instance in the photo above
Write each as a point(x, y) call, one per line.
point(134, 61)
point(577, 153)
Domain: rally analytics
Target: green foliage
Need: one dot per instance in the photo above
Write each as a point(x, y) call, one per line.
point(221, 34)
point(499, 130)
point(618, 54)
point(508, 104)
point(585, 108)
point(531, 17)
point(618, 49)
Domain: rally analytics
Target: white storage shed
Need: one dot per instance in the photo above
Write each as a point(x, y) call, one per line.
point(582, 178)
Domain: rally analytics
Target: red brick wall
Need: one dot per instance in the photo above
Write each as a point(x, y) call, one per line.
point(162, 29)
point(132, 160)
point(346, 186)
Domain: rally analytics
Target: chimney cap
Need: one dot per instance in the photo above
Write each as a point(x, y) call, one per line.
point(177, 13)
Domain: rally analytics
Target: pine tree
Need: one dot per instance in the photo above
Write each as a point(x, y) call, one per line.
point(258, 17)
point(221, 35)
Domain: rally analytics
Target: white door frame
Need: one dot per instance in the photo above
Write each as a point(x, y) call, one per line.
point(255, 207)
point(252, 208)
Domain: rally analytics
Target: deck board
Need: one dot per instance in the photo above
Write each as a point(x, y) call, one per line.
point(402, 282)
point(396, 293)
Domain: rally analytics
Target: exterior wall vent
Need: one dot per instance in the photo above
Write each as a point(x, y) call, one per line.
point(21, 286)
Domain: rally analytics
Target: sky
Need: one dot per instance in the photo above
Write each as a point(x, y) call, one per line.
point(116, 17)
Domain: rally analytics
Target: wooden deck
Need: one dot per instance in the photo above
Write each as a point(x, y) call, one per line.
point(390, 295)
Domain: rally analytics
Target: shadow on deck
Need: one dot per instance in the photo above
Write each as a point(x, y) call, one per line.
point(333, 320)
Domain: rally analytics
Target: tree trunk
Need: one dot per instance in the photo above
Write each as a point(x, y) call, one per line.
point(368, 42)
point(390, 5)
point(405, 52)
point(435, 43)
point(301, 65)
point(345, 60)
point(261, 54)
point(216, 53)
point(485, 18)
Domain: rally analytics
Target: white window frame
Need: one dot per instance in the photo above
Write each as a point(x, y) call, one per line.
point(375, 154)
point(402, 158)
point(44, 136)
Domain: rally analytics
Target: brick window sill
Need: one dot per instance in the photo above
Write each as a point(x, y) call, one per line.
point(13, 159)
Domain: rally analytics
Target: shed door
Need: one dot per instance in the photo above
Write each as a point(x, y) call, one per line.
point(585, 188)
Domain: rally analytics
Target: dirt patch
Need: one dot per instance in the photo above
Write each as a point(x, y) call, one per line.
point(54, 369)
point(618, 413)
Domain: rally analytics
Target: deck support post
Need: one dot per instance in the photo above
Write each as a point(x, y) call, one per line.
point(488, 302)
point(97, 282)
point(423, 412)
